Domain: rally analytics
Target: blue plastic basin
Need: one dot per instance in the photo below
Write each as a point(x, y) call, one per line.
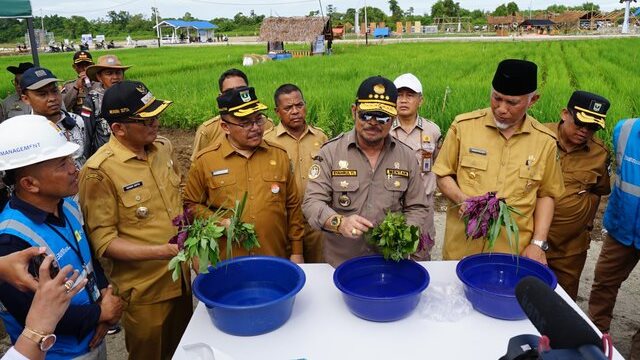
point(379, 290)
point(250, 295)
point(490, 281)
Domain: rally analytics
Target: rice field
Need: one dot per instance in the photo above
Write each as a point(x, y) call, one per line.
point(456, 76)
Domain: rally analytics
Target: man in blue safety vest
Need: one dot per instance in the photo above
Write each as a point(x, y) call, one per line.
point(621, 248)
point(37, 162)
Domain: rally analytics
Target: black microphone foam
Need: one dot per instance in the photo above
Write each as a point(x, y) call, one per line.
point(553, 317)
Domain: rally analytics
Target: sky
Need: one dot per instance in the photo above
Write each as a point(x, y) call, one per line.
point(209, 9)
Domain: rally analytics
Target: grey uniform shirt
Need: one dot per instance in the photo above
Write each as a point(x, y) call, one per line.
point(13, 106)
point(341, 181)
point(98, 130)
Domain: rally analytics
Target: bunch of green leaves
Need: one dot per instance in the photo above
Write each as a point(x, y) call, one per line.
point(394, 238)
point(201, 242)
point(239, 232)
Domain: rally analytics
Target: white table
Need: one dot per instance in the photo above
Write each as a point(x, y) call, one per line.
point(322, 327)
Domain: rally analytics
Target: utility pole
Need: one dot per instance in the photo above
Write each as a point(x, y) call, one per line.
point(155, 11)
point(366, 25)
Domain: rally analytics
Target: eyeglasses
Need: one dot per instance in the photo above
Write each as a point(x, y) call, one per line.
point(249, 124)
point(589, 126)
point(380, 119)
point(141, 121)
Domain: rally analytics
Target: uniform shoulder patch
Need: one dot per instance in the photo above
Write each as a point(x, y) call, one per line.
point(318, 129)
point(334, 139)
point(471, 115)
point(207, 149)
point(98, 158)
point(274, 144)
point(543, 129)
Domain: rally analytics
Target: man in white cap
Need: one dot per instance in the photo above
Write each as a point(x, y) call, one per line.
point(36, 158)
point(422, 135)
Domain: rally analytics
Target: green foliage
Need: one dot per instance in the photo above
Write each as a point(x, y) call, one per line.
point(188, 76)
point(444, 8)
point(394, 238)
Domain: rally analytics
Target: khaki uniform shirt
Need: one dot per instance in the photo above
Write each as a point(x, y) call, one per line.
point(480, 159)
point(341, 181)
point(219, 176)
point(13, 106)
point(423, 139)
point(301, 151)
point(209, 132)
point(122, 196)
point(72, 97)
point(586, 178)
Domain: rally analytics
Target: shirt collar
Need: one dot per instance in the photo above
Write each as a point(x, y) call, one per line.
point(281, 130)
point(122, 153)
point(389, 141)
point(228, 149)
point(419, 123)
point(34, 213)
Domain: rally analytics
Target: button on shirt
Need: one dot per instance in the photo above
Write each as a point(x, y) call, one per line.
point(586, 178)
point(345, 173)
point(301, 151)
point(520, 169)
point(219, 176)
point(123, 196)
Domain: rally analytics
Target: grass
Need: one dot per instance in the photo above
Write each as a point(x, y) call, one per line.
point(188, 76)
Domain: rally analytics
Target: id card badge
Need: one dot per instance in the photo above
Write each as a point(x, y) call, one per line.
point(92, 284)
point(426, 161)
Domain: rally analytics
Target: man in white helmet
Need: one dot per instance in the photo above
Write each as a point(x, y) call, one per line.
point(37, 162)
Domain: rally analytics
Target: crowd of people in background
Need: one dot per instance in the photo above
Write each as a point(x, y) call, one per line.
point(87, 180)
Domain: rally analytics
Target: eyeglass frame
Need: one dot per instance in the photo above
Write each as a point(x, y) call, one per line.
point(249, 124)
point(581, 124)
point(362, 115)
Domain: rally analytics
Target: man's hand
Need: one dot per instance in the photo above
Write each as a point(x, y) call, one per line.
point(354, 226)
point(298, 259)
point(14, 268)
point(110, 307)
point(101, 331)
point(168, 251)
point(534, 252)
point(80, 81)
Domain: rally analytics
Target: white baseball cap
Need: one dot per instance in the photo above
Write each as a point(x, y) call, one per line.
point(408, 81)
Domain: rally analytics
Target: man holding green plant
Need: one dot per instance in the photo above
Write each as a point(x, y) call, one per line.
point(242, 162)
point(504, 150)
point(361, 175)
point(585, 162)
point(130, 193)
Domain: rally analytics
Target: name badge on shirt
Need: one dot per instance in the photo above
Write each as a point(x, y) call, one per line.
point(132, 186)
point(220, 172)
point(397, 172)
point(478, 151)
point(344, 173)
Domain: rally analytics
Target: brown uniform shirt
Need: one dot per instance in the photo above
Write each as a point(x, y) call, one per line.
point(122, 196)
point(586, 178)
point(72, 97)
point(423, 139)
point(341, 181)
point(219, 176)
point(520, 169)
point(209, 132)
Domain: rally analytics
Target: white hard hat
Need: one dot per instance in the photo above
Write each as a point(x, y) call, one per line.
point(30, 139)
point(408, 81)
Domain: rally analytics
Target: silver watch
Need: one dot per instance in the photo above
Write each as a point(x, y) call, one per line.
point(542, 244)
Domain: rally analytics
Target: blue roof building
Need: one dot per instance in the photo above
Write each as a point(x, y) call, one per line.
point(187, 31)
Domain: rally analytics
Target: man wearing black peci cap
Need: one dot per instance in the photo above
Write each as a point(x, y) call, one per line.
point(505, 150)
point(360, 175)
point(74, 91)
point(13, 105)
point(242, 161)
point(129, 194)
point(585, 165)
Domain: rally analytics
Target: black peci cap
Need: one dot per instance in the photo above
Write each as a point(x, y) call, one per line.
point(515, 77)
point(240, 102)
point(378, 94)
point(589, 108)
point(20, 69)
point(130, 99)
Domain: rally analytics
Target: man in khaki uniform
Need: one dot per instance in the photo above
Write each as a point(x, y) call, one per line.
point(210, 131)
point(502, 149)
point(302, 142)
point(74, 91)
point(13, 105)
point(422, 136)
point(360, 175)
point(130, 193)
point(243, 162)
point(585, 161)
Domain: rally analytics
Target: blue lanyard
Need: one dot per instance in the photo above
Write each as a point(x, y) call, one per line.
point(77, 250)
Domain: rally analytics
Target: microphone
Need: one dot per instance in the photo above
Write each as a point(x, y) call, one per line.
point(553, 317)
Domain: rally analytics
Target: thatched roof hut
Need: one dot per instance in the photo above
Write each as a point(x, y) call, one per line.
point(297, 28)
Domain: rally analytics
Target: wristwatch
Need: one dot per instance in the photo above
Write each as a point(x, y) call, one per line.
point(45, 341)
point(542, 244)
point(334, 223)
